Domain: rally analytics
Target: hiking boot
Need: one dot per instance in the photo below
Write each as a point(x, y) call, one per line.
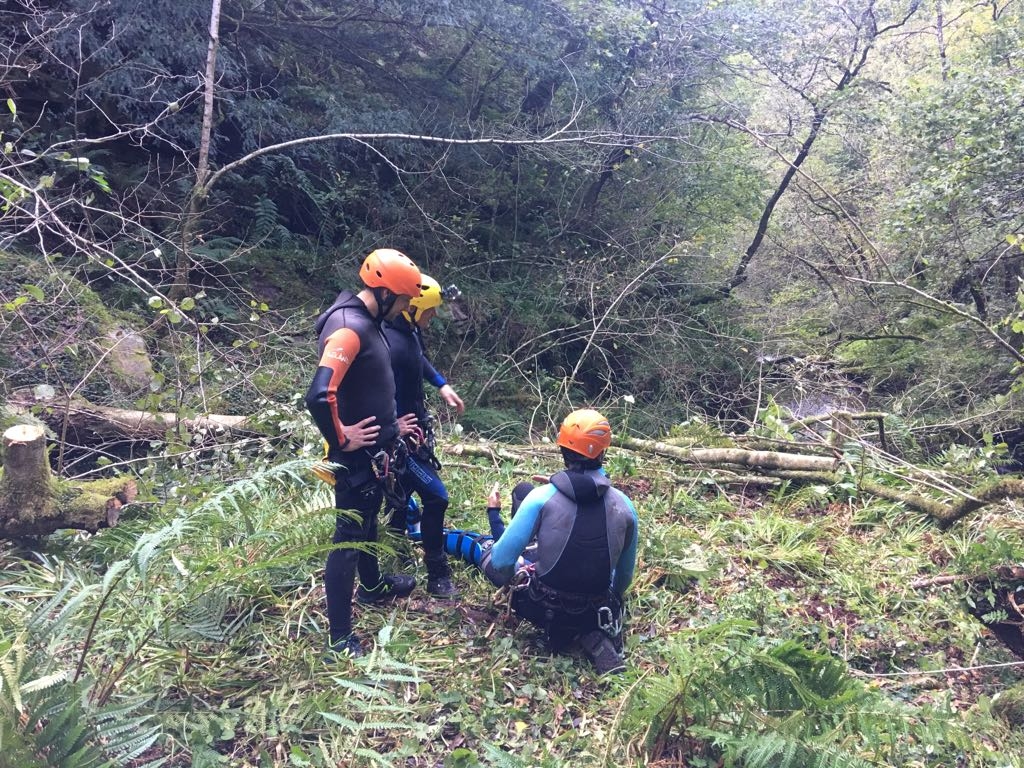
point(442, 587)
point(350, 646)
point(391, 586)
point(601, 650)
point(439, 577)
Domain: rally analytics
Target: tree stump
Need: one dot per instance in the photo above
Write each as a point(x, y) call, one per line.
point(33, 502)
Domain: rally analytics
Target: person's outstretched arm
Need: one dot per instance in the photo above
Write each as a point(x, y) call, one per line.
point(494, 512)
point(517, 535)
point(448, 394)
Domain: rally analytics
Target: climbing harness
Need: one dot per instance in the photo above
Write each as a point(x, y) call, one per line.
point(423, 442)
point(388, 464)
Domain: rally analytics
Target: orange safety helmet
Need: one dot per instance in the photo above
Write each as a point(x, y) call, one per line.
point(391, 269)
point(585, 432)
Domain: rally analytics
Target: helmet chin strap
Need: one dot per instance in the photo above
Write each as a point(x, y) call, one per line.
point(385, 302)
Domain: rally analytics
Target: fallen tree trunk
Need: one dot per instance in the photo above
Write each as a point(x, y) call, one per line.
point(34, 503)
point(823, 469)
point(734, 457)
point(486, 451)
point(108, 423)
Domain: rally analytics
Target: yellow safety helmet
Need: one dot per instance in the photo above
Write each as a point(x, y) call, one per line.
point(585, 432)
point(431, 297)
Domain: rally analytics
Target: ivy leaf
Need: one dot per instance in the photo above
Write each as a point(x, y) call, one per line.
point(34, 291)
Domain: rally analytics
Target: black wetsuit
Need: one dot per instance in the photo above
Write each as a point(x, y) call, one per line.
point(353, 380)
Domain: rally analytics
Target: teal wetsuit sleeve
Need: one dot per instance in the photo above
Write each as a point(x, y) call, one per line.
point(520, 530)
point(626, 565)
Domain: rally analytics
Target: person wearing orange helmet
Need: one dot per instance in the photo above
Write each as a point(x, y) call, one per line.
point(582, 534)
point(352, 402)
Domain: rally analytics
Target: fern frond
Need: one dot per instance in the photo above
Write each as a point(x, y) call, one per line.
point(374, 757)
point(44, 682)
point(49, 712)
point(899, 436)
point(760, 703)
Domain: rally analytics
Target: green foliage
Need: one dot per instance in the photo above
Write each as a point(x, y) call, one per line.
point(981, 553)
point(674, 557)
point(50, 322)
point(50, 713)
point(495, 424)
point(732, 695)
point(592, 271)
point(770, 540)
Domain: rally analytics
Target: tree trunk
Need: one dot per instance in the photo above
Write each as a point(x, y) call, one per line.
point(82, 417)
point(180, 287)
point(765, 460)
point(34, 503)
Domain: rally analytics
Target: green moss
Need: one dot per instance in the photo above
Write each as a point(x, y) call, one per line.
point(54, 327)
point(1009, 706)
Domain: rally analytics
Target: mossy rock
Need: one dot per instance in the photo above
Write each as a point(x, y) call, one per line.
point(66, 334)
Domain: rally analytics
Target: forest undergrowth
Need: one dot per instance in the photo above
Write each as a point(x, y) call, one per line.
point(777, 627)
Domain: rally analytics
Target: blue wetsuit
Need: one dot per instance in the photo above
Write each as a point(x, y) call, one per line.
point(411, 368)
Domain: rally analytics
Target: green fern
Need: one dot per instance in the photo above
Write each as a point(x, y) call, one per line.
point(49, 717)
point(266, 221)
point(900, 439)
point(755, 703)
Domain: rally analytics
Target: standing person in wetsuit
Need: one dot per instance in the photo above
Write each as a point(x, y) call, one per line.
point(352, 401)
point(411, 367)
point(585, 534)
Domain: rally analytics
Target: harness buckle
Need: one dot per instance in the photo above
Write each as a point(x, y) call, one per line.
point(608, 622)
point(521, 579)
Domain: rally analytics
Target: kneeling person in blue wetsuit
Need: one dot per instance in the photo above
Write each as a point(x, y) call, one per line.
point(586, 538)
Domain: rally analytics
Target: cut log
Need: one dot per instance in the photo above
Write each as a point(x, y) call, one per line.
point(34, 503)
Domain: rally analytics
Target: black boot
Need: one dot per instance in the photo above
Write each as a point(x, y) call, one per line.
point(350, 645)
point(391, 586)
point(439, 577)
point(603, 652)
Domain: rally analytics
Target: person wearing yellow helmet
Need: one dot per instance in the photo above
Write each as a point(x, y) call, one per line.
point(421, 311)
point(420, 475)
point(352, 402)
point(578, 535)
